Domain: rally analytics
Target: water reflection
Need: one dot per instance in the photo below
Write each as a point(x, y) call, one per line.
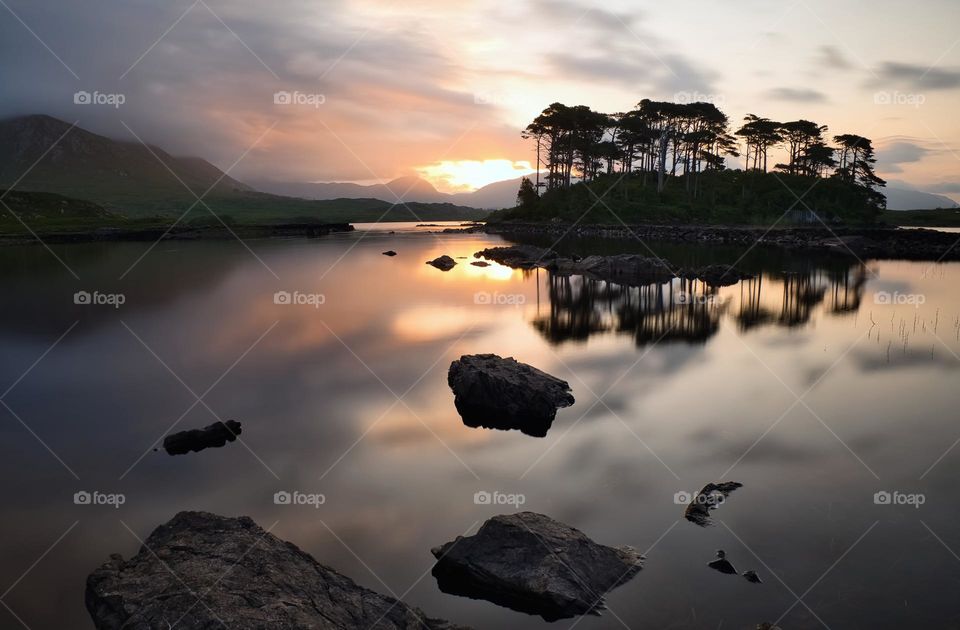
point(690, 311)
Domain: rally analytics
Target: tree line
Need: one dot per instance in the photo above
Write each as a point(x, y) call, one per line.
point(665, 140)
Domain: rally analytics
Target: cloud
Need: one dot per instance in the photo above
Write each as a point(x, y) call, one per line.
point(899, 153)
point(797, 95)
point(831, 57)
point(919, 77)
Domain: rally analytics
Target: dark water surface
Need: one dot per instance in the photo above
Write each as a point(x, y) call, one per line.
point(674, 389)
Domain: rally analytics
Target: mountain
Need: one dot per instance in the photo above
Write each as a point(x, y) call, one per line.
point(124, 175)
point(493, 196)
point(127, 178)
point(905, 199)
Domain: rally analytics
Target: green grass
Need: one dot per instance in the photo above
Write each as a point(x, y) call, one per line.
point(725, 197)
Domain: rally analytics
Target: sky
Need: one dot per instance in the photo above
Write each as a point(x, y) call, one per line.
point(366, 91)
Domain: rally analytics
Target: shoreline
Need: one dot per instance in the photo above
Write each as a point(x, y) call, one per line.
point(180, 233)
point(864, 242)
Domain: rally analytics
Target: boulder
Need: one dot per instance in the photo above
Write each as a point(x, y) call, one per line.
point(211, 436)
point(531, 563)
point(202, 571)
point(443, 263)
point(497, 393)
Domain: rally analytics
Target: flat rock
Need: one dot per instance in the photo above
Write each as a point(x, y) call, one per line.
point(443, 263)
point(531, 563)
point(390, 253)
point(210, 436)
point(203, 571)
point(480, 263)
point(497, 393)
point(518, 256)
point(707, 500)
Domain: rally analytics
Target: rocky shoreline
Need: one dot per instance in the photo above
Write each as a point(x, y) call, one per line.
point(862, 242)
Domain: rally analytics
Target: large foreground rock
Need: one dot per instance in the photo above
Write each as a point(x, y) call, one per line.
point(497, 393)
point(203, 571)
point(531, 563)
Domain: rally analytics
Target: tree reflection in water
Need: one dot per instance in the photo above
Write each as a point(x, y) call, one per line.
point(690, 311)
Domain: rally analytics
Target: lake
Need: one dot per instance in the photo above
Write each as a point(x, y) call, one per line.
point(817, 385)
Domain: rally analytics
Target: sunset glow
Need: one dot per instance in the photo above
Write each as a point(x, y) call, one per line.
point(468, 175)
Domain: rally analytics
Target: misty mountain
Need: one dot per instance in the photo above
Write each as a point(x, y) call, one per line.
point(84, 165)
point(130, 179)
point(493, 196)
point(905, 199)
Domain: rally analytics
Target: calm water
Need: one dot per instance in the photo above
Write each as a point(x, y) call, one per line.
point(670, 396)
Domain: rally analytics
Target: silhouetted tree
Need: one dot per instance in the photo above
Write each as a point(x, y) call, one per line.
point(527, 196)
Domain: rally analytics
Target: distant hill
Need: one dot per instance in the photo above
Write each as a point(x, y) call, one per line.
point(904, 199)
point(128, 179)
point(33, 205)
point(494, 196)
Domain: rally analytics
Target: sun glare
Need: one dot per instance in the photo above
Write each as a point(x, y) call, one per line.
point(469, 175)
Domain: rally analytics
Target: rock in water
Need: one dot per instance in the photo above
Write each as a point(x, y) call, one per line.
point(390, 252)
point(721, 564)
point(707, 500)
point(443, 263)
point(212, 436)
point(497, 393)
point(751, 576)
point(531, 563)
point(209, 571)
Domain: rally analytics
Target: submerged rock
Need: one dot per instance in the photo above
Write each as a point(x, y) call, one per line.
point(480, 263)
point(211, 436)
point(390, 252)
point(209, 571)
point(721, 564)
point(707, 500)
point(443, 263)
point(624, 269)
point(531, 563)
point(497, 393)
